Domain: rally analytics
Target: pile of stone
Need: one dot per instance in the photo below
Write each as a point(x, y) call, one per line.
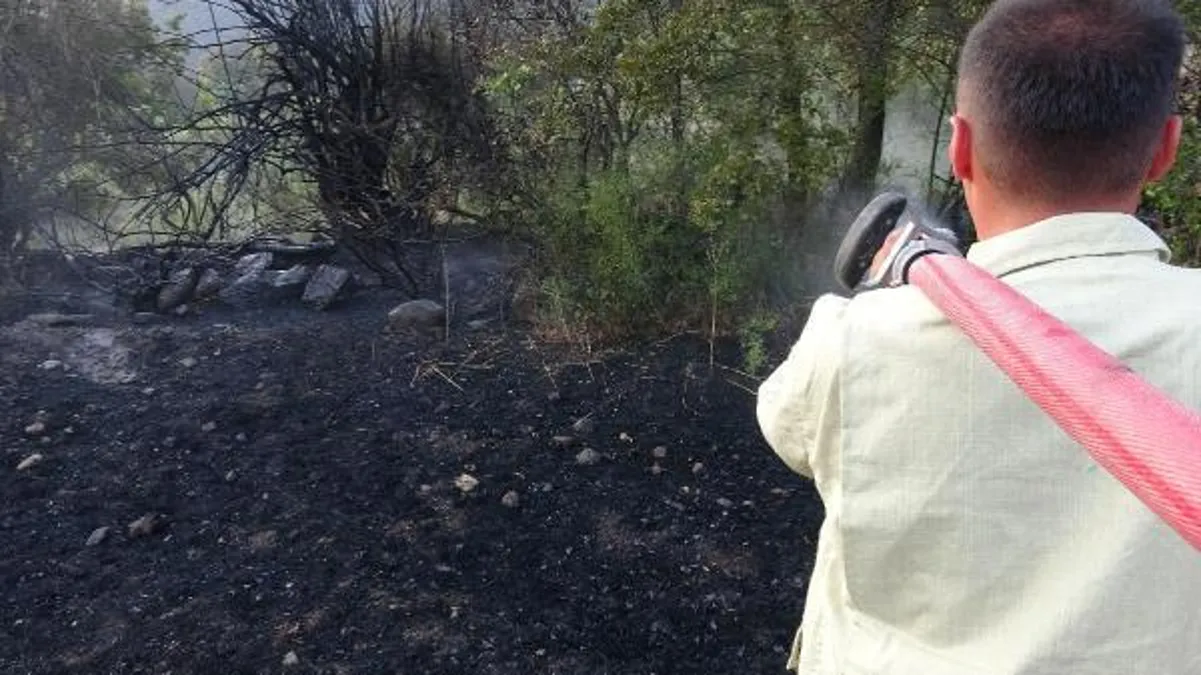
point(255, 282)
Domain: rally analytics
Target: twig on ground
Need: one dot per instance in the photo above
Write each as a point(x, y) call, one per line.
point(449, 381)
point(742, 387)
point(739, 372)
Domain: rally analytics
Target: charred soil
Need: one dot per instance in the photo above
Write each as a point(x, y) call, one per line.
point(291, 491)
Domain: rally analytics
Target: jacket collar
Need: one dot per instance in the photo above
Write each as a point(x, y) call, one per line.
point(1072, 235)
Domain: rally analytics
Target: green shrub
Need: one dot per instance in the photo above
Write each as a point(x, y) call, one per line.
point(1176, 201)
point(672, 244)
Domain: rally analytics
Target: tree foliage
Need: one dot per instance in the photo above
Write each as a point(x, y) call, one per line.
point(670, 159)
point(82, 81)
point(368, 106)
point(1175, 202)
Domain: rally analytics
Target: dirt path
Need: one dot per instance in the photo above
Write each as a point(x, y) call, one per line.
point(301, 473)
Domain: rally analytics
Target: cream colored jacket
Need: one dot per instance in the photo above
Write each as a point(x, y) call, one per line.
point(965, 533)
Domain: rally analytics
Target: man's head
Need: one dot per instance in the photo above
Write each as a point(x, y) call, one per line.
point(1066, 105)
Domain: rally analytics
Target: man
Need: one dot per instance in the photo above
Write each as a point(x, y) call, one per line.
point(965, 533)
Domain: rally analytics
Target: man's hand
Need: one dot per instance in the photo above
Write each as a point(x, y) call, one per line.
point(882, 254)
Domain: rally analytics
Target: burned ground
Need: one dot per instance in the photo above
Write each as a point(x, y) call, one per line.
point(326, 498)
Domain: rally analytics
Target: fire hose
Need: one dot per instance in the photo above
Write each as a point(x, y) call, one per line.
point(1148, 441)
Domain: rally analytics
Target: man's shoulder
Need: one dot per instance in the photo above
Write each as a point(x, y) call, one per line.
point(879, 329)
point(885, 309)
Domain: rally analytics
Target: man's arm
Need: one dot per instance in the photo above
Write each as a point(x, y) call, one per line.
point(795, 400)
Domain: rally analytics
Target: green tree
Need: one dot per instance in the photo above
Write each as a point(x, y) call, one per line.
point(667, 148)
point(84, 82)
point(1174, 204)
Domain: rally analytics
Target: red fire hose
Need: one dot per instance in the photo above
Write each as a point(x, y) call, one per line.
point(1148, 441)
point(1140, 435)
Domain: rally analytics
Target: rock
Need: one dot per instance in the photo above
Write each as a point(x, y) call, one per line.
point(511, 499)
point(30, 462)
point(327, 285)
point(145, 526)
point(479, 324)
point(182, 311)
point(97, 536)
point(724, 503)
point(209, 285)
point(55, 320)
point(587, 457)
point(625, 438)
point(51, 364)
point(255, 285)
point(660, 452)
point(564, 441)
point(36, 429)
point(189, 362)
point(145, 318)
point(178, 289)
point(466, 483)
point(418, 316)
point(291, 660)
point(698, 467)
point(296, 275)
point(254, 264)
point(247, 291)
point(584, 425)
point(288, 284)
point(208, 427)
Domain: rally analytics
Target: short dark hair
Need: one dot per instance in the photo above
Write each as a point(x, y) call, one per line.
point(1072, 94)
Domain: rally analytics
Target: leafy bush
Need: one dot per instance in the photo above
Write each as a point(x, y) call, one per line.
point(1176, 202)
point(640, 251)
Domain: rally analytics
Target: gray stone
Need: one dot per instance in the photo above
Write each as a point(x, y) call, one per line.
point(588, 457)
point(327, 285)
point(30, 462)
point(55, 320)
point(288, 284)
point(97, 536)
point(146, 525)
point(417, 316)
point(297, 275)
point(208, 285)
point(253, 264)
point(247, 291)
point(178, 289)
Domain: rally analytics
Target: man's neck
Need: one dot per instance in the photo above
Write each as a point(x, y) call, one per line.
point(1016, 214)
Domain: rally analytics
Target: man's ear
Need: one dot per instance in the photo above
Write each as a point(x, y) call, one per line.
point(959, 152)
point(1165, 154)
